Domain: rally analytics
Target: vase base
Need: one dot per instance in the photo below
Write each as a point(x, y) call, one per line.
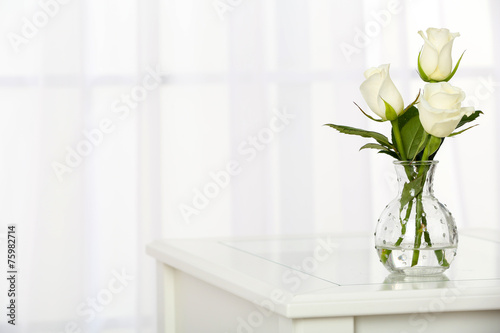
point(419, 271)
point(416, 262)
point(403, 278)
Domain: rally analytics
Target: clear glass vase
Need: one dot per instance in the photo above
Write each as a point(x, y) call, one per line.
point(416, 234)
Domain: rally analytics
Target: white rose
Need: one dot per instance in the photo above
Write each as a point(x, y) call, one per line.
point(435, 57)
point(377, 88)
point(440, 108)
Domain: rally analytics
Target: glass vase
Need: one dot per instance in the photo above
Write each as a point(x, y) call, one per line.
point(416, 234)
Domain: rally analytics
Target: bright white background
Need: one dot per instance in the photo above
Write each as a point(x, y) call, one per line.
point(227, 67)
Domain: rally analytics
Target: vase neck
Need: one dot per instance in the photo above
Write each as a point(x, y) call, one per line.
point(416, 172)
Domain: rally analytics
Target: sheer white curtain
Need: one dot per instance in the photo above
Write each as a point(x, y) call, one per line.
point(125, 121)
point(230, 73)
point(79, 101)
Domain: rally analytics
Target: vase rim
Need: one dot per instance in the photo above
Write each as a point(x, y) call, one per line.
point(426, 162)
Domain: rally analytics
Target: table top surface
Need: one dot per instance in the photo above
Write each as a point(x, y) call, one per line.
point(318, 275)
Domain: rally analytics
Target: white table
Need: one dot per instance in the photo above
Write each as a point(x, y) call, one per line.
point(321, 283)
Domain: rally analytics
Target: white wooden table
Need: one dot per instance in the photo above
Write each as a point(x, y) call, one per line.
point(321, 283)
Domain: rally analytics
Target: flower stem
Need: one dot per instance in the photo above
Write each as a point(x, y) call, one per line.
point(399, 141)
point(420, 223)
point(419, 228)
point(425, 154)
point(386, 252)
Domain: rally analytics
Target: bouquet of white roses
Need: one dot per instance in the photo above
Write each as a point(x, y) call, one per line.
point(418, 130)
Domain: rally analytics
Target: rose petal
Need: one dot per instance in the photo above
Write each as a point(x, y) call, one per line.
point(428, 56)
point(378, 87)
point(468, 110)
point(443, 100)
point(369, 90)
point(439, 123)
point(390, 94)
point(435, 58)
point(440, 108)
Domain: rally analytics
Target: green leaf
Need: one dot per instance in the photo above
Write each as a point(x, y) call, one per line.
point(407, 116)
point(470, 118)
point(412, 189)
point(434, 144)
point(384, 255)
point(373, 146)
point(381, 149)
point(380, 138)
point(366, 114)
point(422, 145)
point(455, 69)
point(404, 118)
point(390, 113)
point(390, 153)
point(460, 132)
point(440, 256)
point(413, 136)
